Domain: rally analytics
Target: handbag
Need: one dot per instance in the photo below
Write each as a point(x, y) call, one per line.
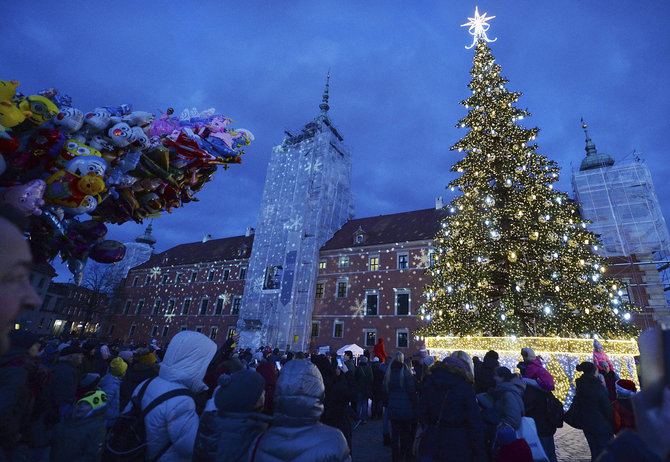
point(528, 432)
point(423, 429)
point(574, 415)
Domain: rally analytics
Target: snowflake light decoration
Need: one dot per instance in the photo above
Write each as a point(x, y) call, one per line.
point(358, 309)
point(423, 259)
point(155, 272)
point(478, 27)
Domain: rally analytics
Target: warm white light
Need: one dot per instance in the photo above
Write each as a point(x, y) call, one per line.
point(478, 27)
point(626, 316)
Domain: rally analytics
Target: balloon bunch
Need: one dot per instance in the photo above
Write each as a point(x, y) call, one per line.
point(113, 163)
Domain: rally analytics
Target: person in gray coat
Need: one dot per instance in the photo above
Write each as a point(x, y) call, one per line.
point(296, 434)
point(508, 396)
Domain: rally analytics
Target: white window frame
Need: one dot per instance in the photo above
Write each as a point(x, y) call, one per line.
point(409, 301)
point(126, 306)
point(403, 330)
point(369, 292)
point(221, 300)
point(337, 288)
point(210, 274)
point(200, 313)
point(193, 278)
point(154, 331)
point(167, 307)
point(370, 257)
point(225, 276)
point(178, 278)
point(136, 281)
point(183, 328)
point(165, 331)
point(365, 337)
point(190, 301)
point(232, 305)
point(343, 261)
point(131, 331)
point(138, 309)
point(242, 275)
point(322, 265)
point(154, 311)
point(323, 289)
point(199, 329)
point(213, 330)
point(164, 279)
point(406, 255)
point(338, 323)
point(230, 329)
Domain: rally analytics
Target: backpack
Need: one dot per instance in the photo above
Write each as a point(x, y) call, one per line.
point(127, 440)
point(555, 411)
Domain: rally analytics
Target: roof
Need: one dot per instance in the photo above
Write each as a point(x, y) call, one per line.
point(43, 268)
point(416, 225)
point(229, 248)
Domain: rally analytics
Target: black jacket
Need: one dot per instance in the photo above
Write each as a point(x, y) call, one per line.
point(135, 375)
point(228, 436)
point(64, 383)
point(535, 402)
point(484, 375)
point(14, 397)
point(596, 411)
point(459, 435)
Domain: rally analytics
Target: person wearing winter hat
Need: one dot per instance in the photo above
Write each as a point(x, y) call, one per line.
point(111, 385)
point(26, 340)
point(81, 435)
point(599, 355)
point(624, 415)
point(379, 350)
point(65, 379)
point(484, 373)
point(229, 433)
point(595, 410)
point(143, 368)
point(534, 370)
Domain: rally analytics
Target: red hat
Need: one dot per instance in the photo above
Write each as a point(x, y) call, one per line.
point(627, 385)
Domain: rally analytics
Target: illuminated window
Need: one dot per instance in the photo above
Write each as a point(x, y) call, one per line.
point(342, 289)
point(370, 337)
point(272, 277)
point(402, 338)
point(230, 332)
point(315, 328)
point(373, 263)
point(319, 290)
point(213, 331)
point(322, 265)
point(343, 262)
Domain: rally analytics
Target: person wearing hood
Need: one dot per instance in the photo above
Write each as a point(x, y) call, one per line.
point(229, 432)
point(111, 385)
point(81, 435)
point(379, 351)
point(508, 396)
point(534, 370)
point(484, 373)
point(599, 355)
point(173, 424)
point(449, 415)
point(296, 433)
point(595, 411)
point(610, 378)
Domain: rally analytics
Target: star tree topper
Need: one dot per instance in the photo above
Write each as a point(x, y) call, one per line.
point(478, 27)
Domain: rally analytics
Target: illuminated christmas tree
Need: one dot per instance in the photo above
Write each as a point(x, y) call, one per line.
point(513, 256)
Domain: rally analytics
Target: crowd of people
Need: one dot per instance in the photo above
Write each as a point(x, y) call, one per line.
point(86, 400)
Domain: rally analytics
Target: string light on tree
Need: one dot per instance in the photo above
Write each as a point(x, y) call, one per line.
point(511, 240)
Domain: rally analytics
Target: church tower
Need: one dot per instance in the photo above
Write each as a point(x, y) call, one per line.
point(306, 199)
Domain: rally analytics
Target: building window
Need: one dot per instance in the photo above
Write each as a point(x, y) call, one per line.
point(315, 328)
point(373, 263)
point(219, 305)
point(243, 273)
point(226, 274)
point(402, 303)
point(230, 332)
point(431, 257)
point(186, 306)
point(198, 329)
point(213, 331)
point(170, 307)
point(210, 275)
point(338, 329)
point(135, 281)
point(204, 303)
point(111, 329)
point(131, 331)
point(371, 303)
point(140, 306)
point(341, 289)
point(147, 278)
point(157, 306)
point(343, 262)
point(319, 290)
point(166, 329)
point(184, 327)
point(235, 310)
point(154, 331)
point(403, 261)
point(178, 278)
point(370, 337)
point(359, 239)
point(272, 277)
point(322, 265)
point(194, 276)
point(46, 303)
point(164, 279)
point(402, 338)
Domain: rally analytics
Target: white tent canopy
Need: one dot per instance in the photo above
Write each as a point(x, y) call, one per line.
point(355, 349)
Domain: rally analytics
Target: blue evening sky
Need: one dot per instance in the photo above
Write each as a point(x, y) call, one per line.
point(398, 70)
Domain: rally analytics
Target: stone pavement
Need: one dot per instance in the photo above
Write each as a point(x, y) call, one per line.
point(368, 446)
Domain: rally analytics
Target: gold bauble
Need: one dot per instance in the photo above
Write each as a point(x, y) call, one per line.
point(512, 256)
point(534, 235)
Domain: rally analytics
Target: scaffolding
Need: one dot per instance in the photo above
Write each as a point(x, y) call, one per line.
point(621, 203)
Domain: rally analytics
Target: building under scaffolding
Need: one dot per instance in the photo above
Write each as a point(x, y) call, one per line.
point(621, 203)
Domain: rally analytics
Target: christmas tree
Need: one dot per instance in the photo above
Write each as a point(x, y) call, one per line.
point(513, 256)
